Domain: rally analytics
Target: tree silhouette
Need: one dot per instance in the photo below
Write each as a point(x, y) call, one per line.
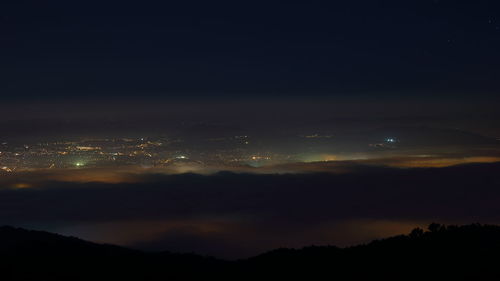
point(470, 252)
point(436, 227)
point(416, 233)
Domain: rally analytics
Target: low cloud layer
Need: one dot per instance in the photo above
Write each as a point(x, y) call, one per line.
point(236, 215)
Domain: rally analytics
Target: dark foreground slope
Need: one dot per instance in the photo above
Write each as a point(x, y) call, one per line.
point(443, 253)
point(37, 255)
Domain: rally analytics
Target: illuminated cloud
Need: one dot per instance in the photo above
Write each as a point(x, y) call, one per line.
point(231, 214)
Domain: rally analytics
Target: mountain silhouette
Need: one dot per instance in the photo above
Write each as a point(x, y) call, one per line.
point(469, 252)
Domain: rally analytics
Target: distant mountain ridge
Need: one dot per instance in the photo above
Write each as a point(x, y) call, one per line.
point(470, 252)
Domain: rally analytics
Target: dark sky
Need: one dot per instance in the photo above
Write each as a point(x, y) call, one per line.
point(78, 50)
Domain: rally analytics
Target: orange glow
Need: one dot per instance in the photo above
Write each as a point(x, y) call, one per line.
point(440, 162)
point(23, 185)
point(131, 174)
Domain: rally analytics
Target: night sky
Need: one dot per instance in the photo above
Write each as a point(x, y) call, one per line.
point(230, 129)
point(122, 49)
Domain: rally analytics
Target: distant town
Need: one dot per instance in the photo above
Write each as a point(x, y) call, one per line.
point(226, 151)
